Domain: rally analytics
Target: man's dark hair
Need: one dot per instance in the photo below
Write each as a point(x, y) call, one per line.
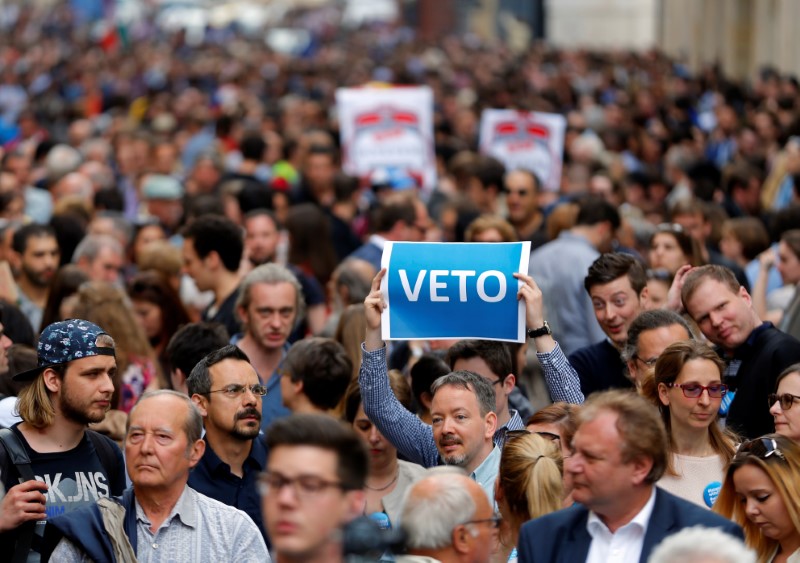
point(252, 147)
point(594, 209)
point(392, 211)
point(489, 171)
point(191, 343)
point(324, 368)
point(610, 266)
point(472, 382)
point(199, 380)
point(494, 353)
point(426, 370)
point(323, 431)
point(650, 320)
point(20, 241)
point(218, 234)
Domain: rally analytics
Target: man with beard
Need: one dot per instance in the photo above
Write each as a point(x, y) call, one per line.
point(71, 387)
point(226, 389)
point(35, 258)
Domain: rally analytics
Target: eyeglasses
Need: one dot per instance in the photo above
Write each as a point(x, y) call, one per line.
point(303, 486)
point(499, 381)
point(494, 522)
point(763, 448)
point(669, 227)
point(236, 391)
point(650, 362)
point(786, 400)
point(659, 275)
point(694, 390)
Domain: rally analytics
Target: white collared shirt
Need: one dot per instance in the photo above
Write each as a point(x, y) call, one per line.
point(624, 545)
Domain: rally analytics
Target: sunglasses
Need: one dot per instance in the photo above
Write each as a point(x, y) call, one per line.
point(694, 390)
point(786, 400)
point(762, 448)
point(510, 434)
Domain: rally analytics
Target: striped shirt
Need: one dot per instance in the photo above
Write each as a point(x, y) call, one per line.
point(412, 437)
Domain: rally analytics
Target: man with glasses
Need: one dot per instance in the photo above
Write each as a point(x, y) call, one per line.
point(649, 335)
point(313, 486)
point(619, 452)
point(447, 518)
point(160, 518)
point(226, 389)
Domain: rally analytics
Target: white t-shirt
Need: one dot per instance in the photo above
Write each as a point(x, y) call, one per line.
point(8, 412)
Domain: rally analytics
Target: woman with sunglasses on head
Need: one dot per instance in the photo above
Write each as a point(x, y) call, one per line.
point(761, 493)
point(557, 423)
point(784, 404)
point(688, 390)
point(529, 484)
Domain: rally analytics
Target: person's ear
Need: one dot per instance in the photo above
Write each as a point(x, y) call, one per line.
point(52, 380)
point(196, 452)
point(641, 469)
point(508, 383)
point(491, 424)
point(202, 403)
point(663, 394)
point(461, 537)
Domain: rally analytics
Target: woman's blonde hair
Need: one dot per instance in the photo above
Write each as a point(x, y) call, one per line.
point(667, 369)
point(530, 478)
point(782, 466)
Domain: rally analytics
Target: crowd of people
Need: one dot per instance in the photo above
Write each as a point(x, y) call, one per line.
point(191, 357)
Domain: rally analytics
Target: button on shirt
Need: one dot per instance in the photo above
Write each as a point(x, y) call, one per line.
point(213, 478)
point(624, 545)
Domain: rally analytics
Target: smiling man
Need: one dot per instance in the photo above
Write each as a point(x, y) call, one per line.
point(226, 389)
point(71, 387)
point(755, 352)
point(313, 486)
point(172, 521)
point(617, 286)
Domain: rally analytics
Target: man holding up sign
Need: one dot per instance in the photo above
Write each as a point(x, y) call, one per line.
point(464, 422)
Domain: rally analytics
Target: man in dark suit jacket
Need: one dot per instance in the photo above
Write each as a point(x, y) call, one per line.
point(619, 452)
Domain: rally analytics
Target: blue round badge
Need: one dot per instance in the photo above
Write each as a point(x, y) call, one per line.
point(711, 492)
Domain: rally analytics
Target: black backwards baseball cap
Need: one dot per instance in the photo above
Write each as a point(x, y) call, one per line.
point(63, 342)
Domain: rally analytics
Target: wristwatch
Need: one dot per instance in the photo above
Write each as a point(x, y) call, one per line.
point(536, 332)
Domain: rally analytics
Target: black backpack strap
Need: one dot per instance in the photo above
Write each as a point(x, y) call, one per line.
point(107, 451)
point(15, 451)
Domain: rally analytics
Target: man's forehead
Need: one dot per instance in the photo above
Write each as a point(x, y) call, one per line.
point(232, 369)
point(462, 397)
point(622, 283)
point(303, 458)
point(653, 341)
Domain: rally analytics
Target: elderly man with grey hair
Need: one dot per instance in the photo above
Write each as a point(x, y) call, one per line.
point(160, 518)
point(447, 519)
point(101, 257)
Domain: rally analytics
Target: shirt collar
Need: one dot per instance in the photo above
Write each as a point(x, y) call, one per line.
point(378, 241)
point(595, 525)
point(183, 509)
point(257, 457)
point(488, 467)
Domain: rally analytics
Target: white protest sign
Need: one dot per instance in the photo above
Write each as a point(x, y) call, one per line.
point(525, 140)
point(388, 128)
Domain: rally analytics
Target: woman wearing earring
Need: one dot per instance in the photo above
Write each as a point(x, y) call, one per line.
point(761, 493)
point(688, 390)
